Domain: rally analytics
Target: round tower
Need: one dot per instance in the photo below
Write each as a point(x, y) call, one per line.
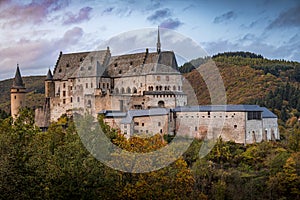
point(49, 85)
point(17, 94)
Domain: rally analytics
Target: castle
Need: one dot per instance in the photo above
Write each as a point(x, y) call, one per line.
point(140, 93)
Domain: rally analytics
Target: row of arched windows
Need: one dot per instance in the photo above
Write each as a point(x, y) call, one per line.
point(128, 90)
point(165, 88)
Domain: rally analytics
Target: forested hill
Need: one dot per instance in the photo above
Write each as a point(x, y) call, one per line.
point(251, 78)
point(34, 97)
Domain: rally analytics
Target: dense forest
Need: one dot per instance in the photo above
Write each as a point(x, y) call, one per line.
point(55, 164)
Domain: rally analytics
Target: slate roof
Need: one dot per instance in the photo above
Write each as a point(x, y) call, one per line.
point(101, 63)
point(227, 108)
point(49, 76)
point(67, 64)
point(267, 113)
point(140, 113)
point(112, 113)
point(18, 81)
point(143, 64)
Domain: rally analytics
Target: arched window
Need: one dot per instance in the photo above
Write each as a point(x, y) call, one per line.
point(122, 91)
point(160, 88)
point(117, 90)
point(156, 87)
point(174, 87)
point(128, 90)
point(178, 88)
point(161, 104)
point(89, 103)
point(134, 90)
point(166, 88)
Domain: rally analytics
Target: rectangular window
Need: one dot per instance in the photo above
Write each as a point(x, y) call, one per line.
point(159, 124)
point(254, 115)
point(143, 124)
point(71, 99)
point(196, 128)
point(86, 85)
point(136, 123)
point(64, 101)
point(158, 78)
point(125, 125)
point(167, 78)
point(64, 93)
point(91, 85)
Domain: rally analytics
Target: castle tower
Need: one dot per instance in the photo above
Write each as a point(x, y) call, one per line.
point(158, 45)
point(17, 94)
point(49, 85)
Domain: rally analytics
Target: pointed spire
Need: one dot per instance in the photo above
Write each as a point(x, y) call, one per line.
point(49, 76)
point(158, 45)
point(18, 82)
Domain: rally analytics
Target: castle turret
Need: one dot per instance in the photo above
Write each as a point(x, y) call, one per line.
point(17, 94)
point(49, 85)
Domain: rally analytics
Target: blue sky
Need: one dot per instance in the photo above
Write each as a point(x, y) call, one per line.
point(33, 33)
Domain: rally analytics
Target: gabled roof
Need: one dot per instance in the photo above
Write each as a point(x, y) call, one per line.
point(67, 64)
point(18, 81)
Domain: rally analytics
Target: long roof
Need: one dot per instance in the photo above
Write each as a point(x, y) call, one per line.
point(144, 113)
point(101, 63)
point(211, 108)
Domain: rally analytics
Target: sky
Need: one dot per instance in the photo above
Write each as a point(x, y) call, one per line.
point(33, 32)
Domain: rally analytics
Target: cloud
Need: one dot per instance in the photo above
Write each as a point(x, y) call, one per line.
point(225, 17)
point(35, 56)
point(159, 15)
point(16, 14)
point(288, 50)
point(171, 23)
point(154, 4)
point(288, 18)
point(82, 15)
point(108, 10)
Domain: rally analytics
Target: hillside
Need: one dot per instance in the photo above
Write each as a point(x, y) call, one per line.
point(34, 97)
point(252, 79)
point(242, 83)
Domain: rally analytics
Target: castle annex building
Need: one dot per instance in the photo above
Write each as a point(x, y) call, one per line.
point(139, 93)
